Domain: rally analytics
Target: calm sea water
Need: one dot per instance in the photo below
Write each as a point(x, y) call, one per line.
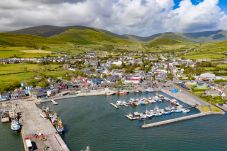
point(93, 121)
point(9, 140)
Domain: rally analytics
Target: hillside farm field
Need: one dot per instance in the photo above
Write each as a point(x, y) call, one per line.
point(12, 74)
point(23, 52)
point(211, 51)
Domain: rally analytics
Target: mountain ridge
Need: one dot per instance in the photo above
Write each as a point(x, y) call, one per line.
point(49, 31)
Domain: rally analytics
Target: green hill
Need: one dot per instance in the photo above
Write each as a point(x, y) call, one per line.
point(169, 42)
point(74, 39)
point(211, 50)
point(67, 39)
point(9, 39)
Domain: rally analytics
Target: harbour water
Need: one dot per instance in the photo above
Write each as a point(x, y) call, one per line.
point(9, 140)
point(93, 121)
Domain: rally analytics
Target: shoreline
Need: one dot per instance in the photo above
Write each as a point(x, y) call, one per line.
point(103, 93)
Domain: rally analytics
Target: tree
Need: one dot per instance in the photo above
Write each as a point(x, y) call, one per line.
point(42, 83)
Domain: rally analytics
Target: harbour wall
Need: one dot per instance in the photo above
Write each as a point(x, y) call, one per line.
point(178, 119)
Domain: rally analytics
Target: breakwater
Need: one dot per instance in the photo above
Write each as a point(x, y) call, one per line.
point(165, 122)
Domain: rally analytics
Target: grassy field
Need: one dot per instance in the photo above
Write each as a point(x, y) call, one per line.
point(23, 52)
point(214, 50)
point(12, 74)
point(211, 108)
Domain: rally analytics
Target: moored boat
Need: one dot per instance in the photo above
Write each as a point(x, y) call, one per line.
point(87, 148)
point(110, 93)
point(5, 117)
point(59, 126)
point(15, 125)
point(122, 92)
point(54, 102)
point(184, 110)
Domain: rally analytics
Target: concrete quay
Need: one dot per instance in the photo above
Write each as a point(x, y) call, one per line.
point(165, 122)
point(33, 125)
point(186, 97)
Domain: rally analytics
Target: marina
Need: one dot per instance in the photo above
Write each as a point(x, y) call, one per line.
point(170, 105)
point(110, 125)
point(144, 109)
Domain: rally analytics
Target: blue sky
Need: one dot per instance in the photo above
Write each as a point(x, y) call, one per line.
point(222, 3)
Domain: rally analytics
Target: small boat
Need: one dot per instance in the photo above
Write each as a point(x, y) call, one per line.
point(143, 117)
point(12, 114)
point(174, 102)
point(87, 148)
point(148, 90)
point(5, 117)
point(15, 125)
point(136, 114)
point(54, 102)
point(60, 127)
point(114, 105)
point(122, 92)
point(185, 110)
point(54, 118)
point(130, 116)
point(178, 110)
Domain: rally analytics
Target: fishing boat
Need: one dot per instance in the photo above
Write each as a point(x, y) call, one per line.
point(54, 118)
point(5, 117)
point(122, 92)
point(15, 125)
point(59, 126)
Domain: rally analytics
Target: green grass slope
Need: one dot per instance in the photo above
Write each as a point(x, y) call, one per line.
point(212, 50)
point(95, 38)
point(9, 39)
point(169, 42)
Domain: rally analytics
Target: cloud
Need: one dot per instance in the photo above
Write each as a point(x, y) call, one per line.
point(188, 17)
point(140, 17)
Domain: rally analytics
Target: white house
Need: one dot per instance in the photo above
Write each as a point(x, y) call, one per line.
point(117, 63)
point(133, 79)
point(207, 77)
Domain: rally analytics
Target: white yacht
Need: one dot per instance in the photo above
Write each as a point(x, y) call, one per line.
point(185, 110)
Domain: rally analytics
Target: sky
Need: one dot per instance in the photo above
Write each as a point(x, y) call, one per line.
point(138, 17)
